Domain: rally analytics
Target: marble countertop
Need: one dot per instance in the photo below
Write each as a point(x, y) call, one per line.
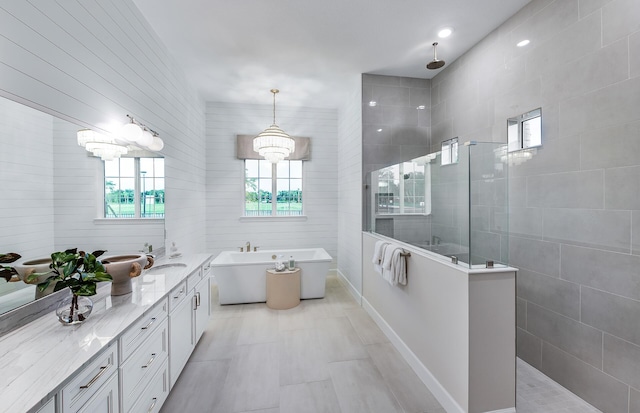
point(37, 359)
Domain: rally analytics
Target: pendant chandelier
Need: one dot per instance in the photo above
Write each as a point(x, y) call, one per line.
point(273, 143)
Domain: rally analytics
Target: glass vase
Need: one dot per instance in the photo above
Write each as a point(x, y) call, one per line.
point(74, 309)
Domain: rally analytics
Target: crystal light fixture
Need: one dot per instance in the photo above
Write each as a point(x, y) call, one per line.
point(273, 143)
point(100, 145)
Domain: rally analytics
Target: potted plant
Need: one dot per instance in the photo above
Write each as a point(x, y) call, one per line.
point(80, 272)
point(6, 272)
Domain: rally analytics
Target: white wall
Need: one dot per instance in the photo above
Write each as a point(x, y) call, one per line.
point(350, 188)
point(26, 211)
point(93, 62)
point(225, 179)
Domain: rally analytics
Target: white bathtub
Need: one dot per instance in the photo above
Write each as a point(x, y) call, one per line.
point(241, 276)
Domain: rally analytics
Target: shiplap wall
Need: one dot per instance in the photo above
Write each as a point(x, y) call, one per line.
point(26, 210)
point(92, 62)
point(350, 188)
point(76, 176)
point(225, 179)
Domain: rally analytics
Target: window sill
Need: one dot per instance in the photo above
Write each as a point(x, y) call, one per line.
point(127, 221)
point(402, 215)
point(274, 218)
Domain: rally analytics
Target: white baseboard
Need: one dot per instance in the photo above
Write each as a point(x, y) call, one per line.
point(440, 393)
point(345, 281)
point(509, 410)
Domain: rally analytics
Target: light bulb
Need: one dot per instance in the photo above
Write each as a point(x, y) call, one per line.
point(145, 139)
point(131, 132)
point(157, 144)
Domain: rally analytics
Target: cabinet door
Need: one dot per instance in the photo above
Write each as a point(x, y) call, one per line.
point(203, 304)
point(180, 337)
point(49, 407)
point(105, 400)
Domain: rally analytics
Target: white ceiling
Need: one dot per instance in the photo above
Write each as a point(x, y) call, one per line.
point(237, 50)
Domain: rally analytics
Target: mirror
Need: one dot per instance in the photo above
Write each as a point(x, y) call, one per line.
point(53, 198)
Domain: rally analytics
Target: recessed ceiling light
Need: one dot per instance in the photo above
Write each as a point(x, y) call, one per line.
point(379, 130)
point(421, 107)
point(373, 103)
point(446, 32)
point(523, 43)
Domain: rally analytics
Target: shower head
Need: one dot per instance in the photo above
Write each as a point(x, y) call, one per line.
point(435, 63)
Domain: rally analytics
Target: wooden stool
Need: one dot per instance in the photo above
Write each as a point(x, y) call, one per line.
point(283, 289)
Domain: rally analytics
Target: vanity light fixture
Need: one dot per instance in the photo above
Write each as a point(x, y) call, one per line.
point(373, 103)
point(273, 143)
point(139, 135)
point(100, 145)
point(421, 107)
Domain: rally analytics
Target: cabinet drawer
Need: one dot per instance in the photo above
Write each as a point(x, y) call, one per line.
point(154, 396)
point(89, 379)
point(177, 295)
point(194, 278)
point(142, 329)
point(136, 372)
point(105, 399)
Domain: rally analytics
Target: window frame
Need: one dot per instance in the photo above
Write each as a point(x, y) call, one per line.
point(274, 191)
point(452, 147)
point(515, 130)
point(137, 193)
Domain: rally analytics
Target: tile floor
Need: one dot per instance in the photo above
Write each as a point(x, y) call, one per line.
point(322, 356)
point(537, 393)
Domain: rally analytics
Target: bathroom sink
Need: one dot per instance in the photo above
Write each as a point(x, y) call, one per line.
point(162, 268)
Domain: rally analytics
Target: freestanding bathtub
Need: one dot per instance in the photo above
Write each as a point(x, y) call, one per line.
point(241, 276)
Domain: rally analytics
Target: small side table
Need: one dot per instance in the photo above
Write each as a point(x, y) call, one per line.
point(283, 289)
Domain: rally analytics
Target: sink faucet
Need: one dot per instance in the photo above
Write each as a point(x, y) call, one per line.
point(248, 246)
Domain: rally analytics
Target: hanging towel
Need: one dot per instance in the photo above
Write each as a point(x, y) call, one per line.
point(399, 267)
point(386, 263)
point(394, 269)
point(378, 255)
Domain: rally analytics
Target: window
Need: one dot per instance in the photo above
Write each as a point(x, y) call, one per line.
point(525, 131)
point(134, 188)
point(402, 189)
point(263, 179)
point(449, 154)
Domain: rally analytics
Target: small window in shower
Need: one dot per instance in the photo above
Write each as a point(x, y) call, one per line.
point(449, 152)
point(525, 131)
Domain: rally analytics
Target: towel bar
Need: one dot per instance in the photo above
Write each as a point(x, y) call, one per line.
point(405, 254)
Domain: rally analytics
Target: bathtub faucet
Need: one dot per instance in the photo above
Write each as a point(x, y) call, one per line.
point(248, 246)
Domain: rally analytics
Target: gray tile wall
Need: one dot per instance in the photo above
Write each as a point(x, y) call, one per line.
point(405, 133)
point(574, 219)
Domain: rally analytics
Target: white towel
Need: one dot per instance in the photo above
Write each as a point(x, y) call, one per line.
point(394, 269)
point(378, 255)
point(399, 267)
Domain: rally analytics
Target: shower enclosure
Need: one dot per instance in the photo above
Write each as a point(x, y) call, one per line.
point(452, 203)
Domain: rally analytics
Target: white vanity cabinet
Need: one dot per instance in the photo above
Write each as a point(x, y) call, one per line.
point(198, 284)
point(49, 407)
point(188, 319)
point(181, 342)
point(144, 352)
point(105, 399)
point(202, 308)
point(95, 387)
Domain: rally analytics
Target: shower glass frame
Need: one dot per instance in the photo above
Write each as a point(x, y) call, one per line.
point(464, 217)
